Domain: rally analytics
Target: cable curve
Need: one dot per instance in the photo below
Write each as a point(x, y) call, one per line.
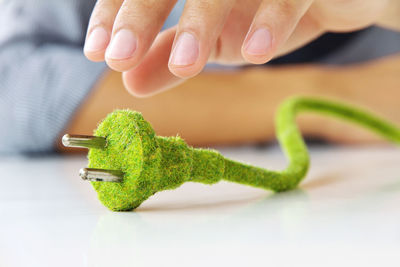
point(293, 144)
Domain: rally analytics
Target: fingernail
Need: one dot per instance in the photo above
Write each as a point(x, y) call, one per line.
point(186, 50)
point(97, 40)
point(259, 43)
point(122, 46)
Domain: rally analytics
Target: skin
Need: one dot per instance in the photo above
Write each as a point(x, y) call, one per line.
point(252, 95)
point(221, 31)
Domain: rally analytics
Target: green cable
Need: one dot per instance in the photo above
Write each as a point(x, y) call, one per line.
point(151, 163)
point(293, 144)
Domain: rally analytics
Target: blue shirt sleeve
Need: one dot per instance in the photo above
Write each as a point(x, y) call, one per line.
point(44, 76)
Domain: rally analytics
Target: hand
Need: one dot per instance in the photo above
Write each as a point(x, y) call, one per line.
point(126, 33)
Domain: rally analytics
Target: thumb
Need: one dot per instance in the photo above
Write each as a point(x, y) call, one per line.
point(153, 74)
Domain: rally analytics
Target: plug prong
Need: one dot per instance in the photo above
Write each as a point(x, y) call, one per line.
point(84, 141)
point(101, 175)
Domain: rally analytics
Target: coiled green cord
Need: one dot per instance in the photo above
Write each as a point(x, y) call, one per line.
point(293, 144)
point(150, 163)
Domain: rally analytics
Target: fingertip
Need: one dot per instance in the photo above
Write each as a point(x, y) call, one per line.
point(96, 44)
point(256, 59)
point(185, 72)
point(272, 26)
point(121, 54)
point(120, 65)
point(258, 46)
point(185, 60)
point(94, 56)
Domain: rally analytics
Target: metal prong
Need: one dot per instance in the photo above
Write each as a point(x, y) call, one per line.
point(101, 175)
point(84, 141)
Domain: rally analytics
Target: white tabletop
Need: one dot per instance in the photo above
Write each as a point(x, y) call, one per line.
point(346, 213)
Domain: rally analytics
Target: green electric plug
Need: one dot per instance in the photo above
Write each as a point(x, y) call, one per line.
point(128, 163)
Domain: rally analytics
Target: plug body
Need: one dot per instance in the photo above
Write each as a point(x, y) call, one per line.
point(149, 163)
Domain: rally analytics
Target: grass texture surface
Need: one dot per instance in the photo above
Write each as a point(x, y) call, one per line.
point(152, 163)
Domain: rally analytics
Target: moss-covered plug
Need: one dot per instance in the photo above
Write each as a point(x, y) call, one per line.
point(151, 163)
